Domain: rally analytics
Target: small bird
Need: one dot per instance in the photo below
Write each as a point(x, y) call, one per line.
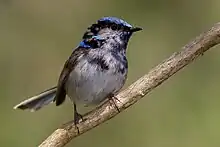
point(96, 69)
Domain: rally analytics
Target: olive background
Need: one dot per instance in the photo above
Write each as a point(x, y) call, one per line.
point(37, 36)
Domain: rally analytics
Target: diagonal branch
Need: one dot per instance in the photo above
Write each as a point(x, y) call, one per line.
point(137, 90)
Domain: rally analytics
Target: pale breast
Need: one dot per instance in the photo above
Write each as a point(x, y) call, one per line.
point(89, 83)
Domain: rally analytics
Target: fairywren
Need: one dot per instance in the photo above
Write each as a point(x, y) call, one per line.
point(96, 69)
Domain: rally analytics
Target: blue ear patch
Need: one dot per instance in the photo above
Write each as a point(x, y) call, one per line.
point(91, 42)
point(115, 20)
point(83, 44)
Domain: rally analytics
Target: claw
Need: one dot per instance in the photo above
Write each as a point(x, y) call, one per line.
point(77, 118)
point(111, 100)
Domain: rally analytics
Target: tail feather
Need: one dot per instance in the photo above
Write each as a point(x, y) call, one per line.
point(38, 101)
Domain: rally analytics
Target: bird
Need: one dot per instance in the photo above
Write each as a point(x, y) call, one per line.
point(96, 70)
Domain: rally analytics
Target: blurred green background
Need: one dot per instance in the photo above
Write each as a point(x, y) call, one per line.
point(37, 36)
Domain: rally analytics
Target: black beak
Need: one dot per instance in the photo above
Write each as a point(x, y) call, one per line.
point(135, 29)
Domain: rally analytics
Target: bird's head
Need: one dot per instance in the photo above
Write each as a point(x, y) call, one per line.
point(108, 28)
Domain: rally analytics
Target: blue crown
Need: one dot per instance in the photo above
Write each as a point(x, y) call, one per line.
point(115, 20)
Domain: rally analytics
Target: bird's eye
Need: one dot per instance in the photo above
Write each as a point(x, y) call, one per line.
point(97, 28)
point(114, 27)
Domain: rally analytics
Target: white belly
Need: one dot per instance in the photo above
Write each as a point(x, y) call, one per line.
point(88, 85)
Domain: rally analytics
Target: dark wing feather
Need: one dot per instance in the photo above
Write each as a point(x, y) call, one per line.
point(68, 67)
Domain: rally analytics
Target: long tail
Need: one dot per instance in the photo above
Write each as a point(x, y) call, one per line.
point(38, 101)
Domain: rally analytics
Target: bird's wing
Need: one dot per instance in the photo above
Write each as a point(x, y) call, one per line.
point(68, 67)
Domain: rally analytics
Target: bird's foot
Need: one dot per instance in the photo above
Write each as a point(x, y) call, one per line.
point(112, 99)
point(77, 118)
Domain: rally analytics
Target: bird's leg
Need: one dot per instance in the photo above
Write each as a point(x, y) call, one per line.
point(77, 117)
point(112, 99)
